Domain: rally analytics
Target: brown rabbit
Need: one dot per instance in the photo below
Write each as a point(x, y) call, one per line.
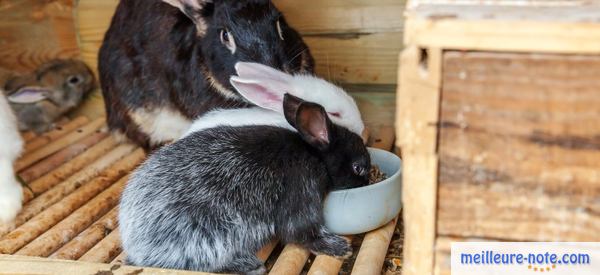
point(56, 87)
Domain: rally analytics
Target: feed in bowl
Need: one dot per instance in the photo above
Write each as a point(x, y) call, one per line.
point(359, 210)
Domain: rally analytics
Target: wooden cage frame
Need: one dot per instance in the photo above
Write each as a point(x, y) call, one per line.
point(429, 31)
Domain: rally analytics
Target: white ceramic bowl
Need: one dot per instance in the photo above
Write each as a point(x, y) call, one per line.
point(358, 210)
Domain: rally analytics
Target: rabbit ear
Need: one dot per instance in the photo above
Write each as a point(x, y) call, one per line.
point(310, 119)
point(265, 93)
point(260, 71)
point(262, 85)
point(28, 95)
point(193, 10)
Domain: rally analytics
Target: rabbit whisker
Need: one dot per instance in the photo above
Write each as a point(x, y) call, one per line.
point(296, 56)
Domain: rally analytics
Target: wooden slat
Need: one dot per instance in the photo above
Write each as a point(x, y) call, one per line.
point(291, 260)
point(75, 197)
point(93, 19)
point(343, 16)
point(120, 259)
point(378, 108)
point(88, 238)
point(76, 222)
point(325, 265)
point(374, 249)
point(59, 144)
point(417, 117)
point(42, 202)
point(383, 138)
point(33, 265)
point(266, 251)
point(36, 171)
point(105, 250)
point(28, 136)
point(68, 169)
point(507, 36)
point(370, 58)
point(308, 17)
point(566, 11)
point(539, 167)
point(104, 165)
point(60, 131)
point(25, 23)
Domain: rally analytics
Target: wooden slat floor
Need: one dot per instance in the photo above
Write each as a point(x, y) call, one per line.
point(73, 178)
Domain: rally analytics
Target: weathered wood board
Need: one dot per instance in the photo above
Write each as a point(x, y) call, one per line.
point(33, 31)
point(519, 147)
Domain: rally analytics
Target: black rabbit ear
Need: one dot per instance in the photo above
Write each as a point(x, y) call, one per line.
point(310, 119)
point(290, 108)
point(193, 10)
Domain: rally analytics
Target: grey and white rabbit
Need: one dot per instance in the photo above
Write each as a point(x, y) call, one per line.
point(265, 87)
point(11, 145)
point(56, 87)
point(212, 199)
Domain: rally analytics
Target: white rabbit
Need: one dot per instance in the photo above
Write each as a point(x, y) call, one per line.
point(11, 144)
point(265, 87)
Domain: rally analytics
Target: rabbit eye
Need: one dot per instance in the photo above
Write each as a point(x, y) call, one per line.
point(74, 80)
point(227, 40)
point(358, 169)
point(279, 30)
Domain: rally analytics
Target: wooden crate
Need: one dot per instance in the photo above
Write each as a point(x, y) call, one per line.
point(497, 121)
point(74, 175)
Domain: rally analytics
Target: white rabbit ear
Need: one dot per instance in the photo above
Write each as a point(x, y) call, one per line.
point(28, 95)
point(265, 93)
point(250, 70)
point(262, 85)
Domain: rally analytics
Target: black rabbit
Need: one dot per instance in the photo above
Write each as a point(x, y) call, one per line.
point(212, 207)
point(165, 62)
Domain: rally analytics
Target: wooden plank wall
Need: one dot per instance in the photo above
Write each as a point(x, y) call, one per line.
point(519, 149)
point(353, 41)
point(33, 31)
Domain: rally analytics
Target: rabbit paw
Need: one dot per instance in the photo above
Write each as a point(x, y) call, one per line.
point(332, 245)
point(259, 271)
point(10, 201)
